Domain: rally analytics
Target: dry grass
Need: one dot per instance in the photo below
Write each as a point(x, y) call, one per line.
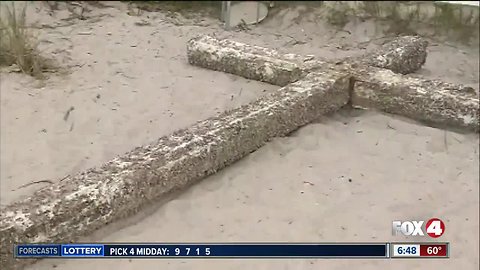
point(17, 44)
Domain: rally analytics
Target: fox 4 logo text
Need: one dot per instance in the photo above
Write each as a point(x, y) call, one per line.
point(433, 228)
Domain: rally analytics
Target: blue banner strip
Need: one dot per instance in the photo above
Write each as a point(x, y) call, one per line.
point(202, 250)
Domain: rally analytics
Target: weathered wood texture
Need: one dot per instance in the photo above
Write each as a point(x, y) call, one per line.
point(251, 62)
point(376, 87)
point(434, 102)
point(402, 55)
point(82, 203)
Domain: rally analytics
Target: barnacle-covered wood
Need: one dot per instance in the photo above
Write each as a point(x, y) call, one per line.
point(434, 102)
point(79, 204)
point(251, 62)
point(403, 55)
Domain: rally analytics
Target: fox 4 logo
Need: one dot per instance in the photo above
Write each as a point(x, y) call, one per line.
point(433, 228)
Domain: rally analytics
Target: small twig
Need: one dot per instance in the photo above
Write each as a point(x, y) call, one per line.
point(66, 176)
point(67, 114)
point(34, 182)
point(390, 127)
point(309, 183)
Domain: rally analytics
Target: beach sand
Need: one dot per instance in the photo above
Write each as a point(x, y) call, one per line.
point(344, 178)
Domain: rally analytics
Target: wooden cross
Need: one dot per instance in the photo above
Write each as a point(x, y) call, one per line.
point(378, 80)
point(77, 205)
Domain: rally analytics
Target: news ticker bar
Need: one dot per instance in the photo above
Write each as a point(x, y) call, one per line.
point(237, 250)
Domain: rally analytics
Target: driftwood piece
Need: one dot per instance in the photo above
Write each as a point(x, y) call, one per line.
point(434, 102)
point(251, 62)
point(402, 55)
point(82, 203)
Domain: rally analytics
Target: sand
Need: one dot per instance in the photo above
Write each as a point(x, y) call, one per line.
point(298, 189)
point(128, 86)
point(129, 83)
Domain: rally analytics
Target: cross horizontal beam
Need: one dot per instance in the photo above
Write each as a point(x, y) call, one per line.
point(403, 55)
point(434, 102)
